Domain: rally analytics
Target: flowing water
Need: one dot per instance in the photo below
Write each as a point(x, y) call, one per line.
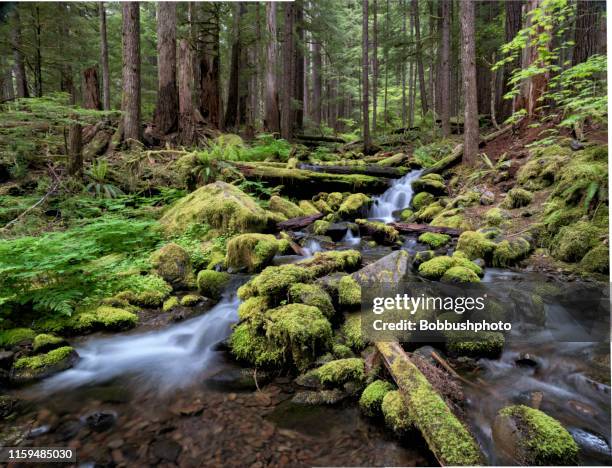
point(397, 197)
point(351, 239)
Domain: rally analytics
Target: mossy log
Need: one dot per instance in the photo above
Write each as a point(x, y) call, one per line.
point(420, 228)
point(304, 184)
point(369, 169)
point(457, 153)
point(301, 222)
point(326, 139)
point(447, 437)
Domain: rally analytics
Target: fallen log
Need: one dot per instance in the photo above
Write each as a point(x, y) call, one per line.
point(325, 139)
point(370, 169)
point(294, 224)
point(457, 153)
point(447, 437)
point(304, 184)
point(410, 228)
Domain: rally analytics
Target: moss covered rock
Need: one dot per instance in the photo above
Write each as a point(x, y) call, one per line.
point(189, 300)
point(406, 215)
point(510, 251)
point(354, 205)
point(459, 274)
point(27, 369)
point(170, 303)
point(251, 347)
point(313, 295)
point(221, 206)
point(334, 200)
point(322, 206)
point(212, 283)
point(574, 241)
point(340, 371)
point(434, 240)
point(477, 345)
point(349, 292)
point(372, 397)
point(438, 266)
point(597, 260)
point(172, 263)
point(429, 212)
point(380, 232)
point(422, 257)
point(476, 245)
point(395, 412)
point(451, 218)
point(285, 207)
point(528, 436)
point(320, 227)
point(421, 200)
point(517, 198)
point(432, 183)
point(147, 291)
point(251, 251)
point(353, 337)
point(308, 208)
point(46, 342)
point(495, 216)
point(16, 336)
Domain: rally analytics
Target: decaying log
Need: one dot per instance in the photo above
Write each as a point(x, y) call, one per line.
point(315, 138)
point(294, 224)
point(410, 228)
point(447, 437)
point(370, 169)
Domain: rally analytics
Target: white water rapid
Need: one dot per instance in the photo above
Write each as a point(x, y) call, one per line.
point(397, 197)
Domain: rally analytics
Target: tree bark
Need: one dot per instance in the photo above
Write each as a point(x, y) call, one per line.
point(317, 87)
point(66, 81)
point(75, 149)
point(186, 118)
point(104, 58)
point(365, 78)
point(130, 102)
point(512, 27)
point(21, 81)
point(444, 77)
point(419, 56)
point(166, 112)
point(287, 112)
point(587, 30)
point(468, 66)
point(403, 65)
point(91, 89)
point(210, 67)
point(375, 66)
point(231, 112)
point(38, 52)
point(272, 114)
point(298, 65)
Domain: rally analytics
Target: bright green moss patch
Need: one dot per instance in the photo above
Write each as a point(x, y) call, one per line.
point(395, 412)
point(432, 183)
point(372, 397)
point(451, 218)
point(170, 304)
point(189, 300)
point(481, 344)
point(380, 232)
point(349, 292)
point(421, 200)
point(274, 281)
point(429, 212)
point(354, 205)
point(251, 251)
point(436, 267)
point(308, 208)
point(352, 333)
point(324, 263)
point(40, 361)
point(434, 240)
point(406, 215)
point(285, 207)
point(212, 283)
point(338, 372)
point(46, 342)
point(113, 318)
point(247, 345)
point(597, 260)
point(517, 198)
point(334, 200)
point(313, 295)
point(509, 252)
point(173, 264)
point(541, 439)
point(495, 216)
point(341, 351)
point(147, 291)
point(574, 241)
point(475, 245)
point(15, 336)
point(320, 227)
point(459, 274)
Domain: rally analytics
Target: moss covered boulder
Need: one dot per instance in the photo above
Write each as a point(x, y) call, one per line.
point(435, 241)
point(221, 206)
point(395, 412)
point(452, 218)
point(528, 436)
point(285, 207)
point(29, 369)
point(429, 212)
point(431, 183)
point(391, 268)
point(313, 295)
point(372, 397)
point(16, 337)
point(144, 290)
point(251, 252)
point(212, 283)
point(476, 245)
point(511, 251)
point(573, 242)
point(308, 208)
point(170, 303)
point(349, 292)
point(380, 232)
point(173, 264)
point(459, 274)
point(354, 205)
point(596, 260)
point(517, 198)
point(340, 371)
point(437, 267)
point(421, 200)
point(46, 342)
point(353, 336)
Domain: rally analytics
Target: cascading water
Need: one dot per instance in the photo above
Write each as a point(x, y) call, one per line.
point(397, 197)
point(311, 247)
point(350, 239)
point(161, 359)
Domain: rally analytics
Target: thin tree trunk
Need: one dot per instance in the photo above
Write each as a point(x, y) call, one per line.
point(386, 59)
point(298, 64)
point(21, 81)
point(468, 62)
point(166, 112)
point(104, 58)
point(75, 149)
point(272, 114)
point(231, 111)
point(317, 87)
point(66, 81)
point(512, 27)
point(38, 52)
point(375, 66)
point(419, 56)
point(130, 102)
point(91, 89)
point(444, 77)
point(288, 68)
point(364, 79)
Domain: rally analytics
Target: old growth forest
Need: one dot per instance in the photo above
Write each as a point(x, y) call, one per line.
point(196, 196)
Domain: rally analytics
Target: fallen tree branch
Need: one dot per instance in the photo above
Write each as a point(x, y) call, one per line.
point(294, 224)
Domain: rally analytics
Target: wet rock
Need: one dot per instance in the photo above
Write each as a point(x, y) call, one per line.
point(487, 198)
point(29, 369)
point(6, 359)
point(166, 449)
point(526, 360)
point(591, 443)
point(391, 268)
point(100, 421)
point(239, 379)
point(321, 397)
point(38, 431)
point(337, 231)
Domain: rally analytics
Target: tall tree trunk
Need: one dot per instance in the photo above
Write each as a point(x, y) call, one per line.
point(375, 66)
point(66, 81)
point(298, 64)
point(104, 58)
point(130, 101)
point(386, 59)
point(288, 75)
point(166, 112)
point(91, 89)
point(444, 77)
point(231, 111)
point(21, 81)
point(6, 81)
point(186, 117)
point(403, 64)
point(210, 66)
point(38, 52)
point(75, 148)
point(365, 79)
point(587, 30)
point(317, 83)
point(272, 117)
point(512, 27)
point(468, 66)
point(419, 56)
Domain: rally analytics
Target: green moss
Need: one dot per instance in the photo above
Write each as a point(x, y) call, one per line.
point(189, 300)
point(434, 240)
point(286, 207)
point(406, 215)
point(212, 283)
point(46, 342)
point(380, 232)
point(451, 218)
point(597, 260)
point(170, 304)
point(495, 217)
point(113, 318)
point(251, 251)
point(509, 252)
point(436, 267)
point(461, 260)
point(574, 241)
point(353, 337)
point(320, 227)
point(394, 160)
point(395, 412)
point(372, 397)
point(275, 281)
point(423, 256)
point(324, 263)
point(173, 264)
point(322, 206)
point(459, 274)
point(340, 371)
point(313, 295)
point(429, 212)
point(334, 200)
point(432, 183)
point(147, 291)
point(517, 198)
point(341, 351)
point(246, 345)
point(354, 205)
point(15, 336)
point(45, 360)
point(475, 245)
point(253, 309)
point(543, 439)
point(308, 208)
point(473, 344)
point(421, 200)
point(221, 206)
point(349, 292)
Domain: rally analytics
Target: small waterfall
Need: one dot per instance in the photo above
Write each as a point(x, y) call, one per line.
point(311, 247)
point(397, 197)
point(351, 239)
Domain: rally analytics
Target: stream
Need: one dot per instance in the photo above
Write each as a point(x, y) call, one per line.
point(176, 386)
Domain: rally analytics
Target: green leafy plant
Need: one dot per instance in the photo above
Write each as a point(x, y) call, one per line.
point(99, 186)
